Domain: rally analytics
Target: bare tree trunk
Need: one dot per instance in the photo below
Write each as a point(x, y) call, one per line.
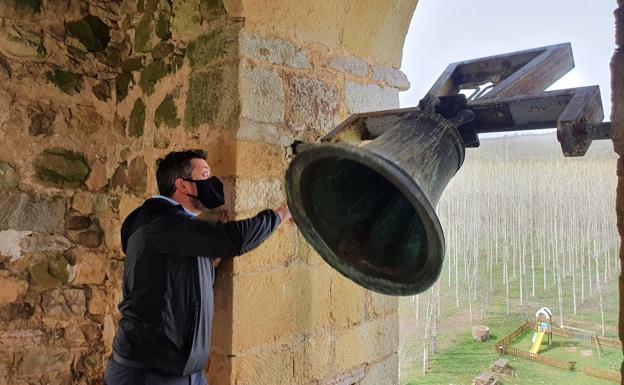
point(598, 288)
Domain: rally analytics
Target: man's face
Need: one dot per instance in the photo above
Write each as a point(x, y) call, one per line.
point(200, 171)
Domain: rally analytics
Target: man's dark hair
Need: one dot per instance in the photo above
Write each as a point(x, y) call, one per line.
point(176, 164)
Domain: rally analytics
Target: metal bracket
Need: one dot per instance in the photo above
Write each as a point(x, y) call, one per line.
point(514, 101)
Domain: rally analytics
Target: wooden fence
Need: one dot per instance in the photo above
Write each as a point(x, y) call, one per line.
point(503, 342)
point(566, 365)
point(568, 334)
point(608, 375)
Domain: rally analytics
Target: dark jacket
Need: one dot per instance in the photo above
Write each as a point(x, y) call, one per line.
point(167, 301)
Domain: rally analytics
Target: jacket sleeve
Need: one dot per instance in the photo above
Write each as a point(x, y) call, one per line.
point(186, 236)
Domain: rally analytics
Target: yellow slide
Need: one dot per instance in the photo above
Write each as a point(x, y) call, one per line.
point(538, 342)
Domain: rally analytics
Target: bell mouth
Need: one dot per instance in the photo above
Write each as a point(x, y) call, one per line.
point(366, 217)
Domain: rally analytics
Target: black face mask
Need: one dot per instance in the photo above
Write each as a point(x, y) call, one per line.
point(209, 191)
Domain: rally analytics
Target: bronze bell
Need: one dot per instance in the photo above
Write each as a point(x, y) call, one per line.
point(369, 210)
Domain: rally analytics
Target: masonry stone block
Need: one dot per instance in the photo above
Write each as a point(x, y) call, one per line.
point(262, 309)
point(45, 243)
point(9, 178)
point(186, 23)
point(311, 286)
point(90, 267)
point(68, 82)
point(137, 119)
point(313, 359)
point(59, 306)
point(392, 77)
point(256, 159)
point(381, 305)
point(145, 37)
point(12, 288)
point(369, 97)
point(61, 168)
point(21, 41)
point(274, 252)
point(353, 347)
point(261, 94)
point(137, 175)
point(347, 301)
point(264, 368)
point(351, 65)
point(45, 360)
point(51, 272)
point(244, 195)
point(382, 372)
point(151, 74)
point(91, 31)
point(167, 113)
point(273, 50)
point(17, 9)
point(313, 105)
point(21, 211)
point(212, 46)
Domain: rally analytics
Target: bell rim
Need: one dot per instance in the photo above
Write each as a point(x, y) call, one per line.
point(402, 182)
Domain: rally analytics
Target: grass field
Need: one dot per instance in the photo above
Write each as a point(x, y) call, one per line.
point(460, 359)
point(467, 358)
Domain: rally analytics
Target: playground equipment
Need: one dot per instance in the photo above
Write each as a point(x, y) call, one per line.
point(544, 327)
point(584, 336)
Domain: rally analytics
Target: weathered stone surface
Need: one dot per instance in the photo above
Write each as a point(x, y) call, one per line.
point(261, 94)
point(62, 304)
point(11, 243)
point(347, 302)
point(16, 310)
point(5, 68)
point(254, 194)
point(392, 77)
point(151, 74)
point(68, 82)
point(137, 175)
point(274, 51)
point(186, 22)
point(61, 168)
point(161, 141)
point(369, 97)
point(86, 202)
point(268, 367)
point(9, 178)
point(102, 90)
point(45, 360)
point(350, 377)
point(313, 359)
point(11, 288)
point(90, 268)
point(110, 56)
point(78, 222)
point(162, 50)
point(91, 31)
point(86, 118)
point(41, 120)
point(98, 300)
point(210, 9)
point(144, 35)
point(167, 113)
point(45, 243)
point(97, 178)
point(90, 238)
point(15, 9)
point(212, 97)
point(350, 65)
point(21, 211)
point(212, 46)
point(381, 305)
point(313, 105)
point(20, 42)
point(108, 333)
point(120, 177)
point(122, 83)
point(137, 119)
point(132, 64)
point(162, 26)
point(50, 273)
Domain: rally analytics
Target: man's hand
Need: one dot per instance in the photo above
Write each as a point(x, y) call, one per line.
point(284, 213)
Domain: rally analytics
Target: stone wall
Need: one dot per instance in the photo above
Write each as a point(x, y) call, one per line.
point(93, 92)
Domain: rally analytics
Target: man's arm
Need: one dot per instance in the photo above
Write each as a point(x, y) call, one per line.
point(185, 236)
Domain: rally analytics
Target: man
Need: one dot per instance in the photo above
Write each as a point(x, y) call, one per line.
point(164, 333)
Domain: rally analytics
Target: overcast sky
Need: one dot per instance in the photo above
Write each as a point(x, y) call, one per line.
point(446, 31)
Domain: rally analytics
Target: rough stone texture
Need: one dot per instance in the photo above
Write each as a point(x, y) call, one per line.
point(90, 31)
point(391, 77)
point(11, 243)
point(253, 194)
point(167, 113)
point(21, 211)
point(62, 304)
point(313, 105)
point(137, 175)
point(273, 50)
point(351, 65)
point(369, 97)
point(67, 81)
point(21, 42)
point(210, 47)
point(261, 94)
point(50, 273)
point(137, 119)
point(41, 120)
point(9, 178)
point(19, 9)
point(61, 168)
point(11, 288)
point(45, 243)
point(90, 267)
point(152, 73)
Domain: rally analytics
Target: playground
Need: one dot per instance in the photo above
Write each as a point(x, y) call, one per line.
point(564, 347)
